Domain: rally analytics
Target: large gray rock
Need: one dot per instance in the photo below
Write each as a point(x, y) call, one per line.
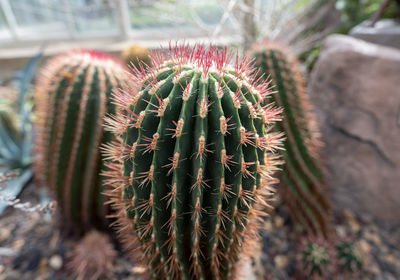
point(384, 32)
point(355, 87)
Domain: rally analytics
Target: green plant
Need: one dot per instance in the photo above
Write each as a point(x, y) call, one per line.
point(317, 259)
point(350, 257)
point(193, 162)
point(302, 184)
point(16, 135)
point(354, 12)
point(72, 97)
point(136, 55)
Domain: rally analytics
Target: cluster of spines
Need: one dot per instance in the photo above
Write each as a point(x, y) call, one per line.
point(72, 97)
point(196, 163)
point(302, 184)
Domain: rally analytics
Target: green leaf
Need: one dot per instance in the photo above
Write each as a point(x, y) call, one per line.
point(14, 187)
point(8, 145)
point(27, 77)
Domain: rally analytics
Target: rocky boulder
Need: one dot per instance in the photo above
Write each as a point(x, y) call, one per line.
point(384, 32)
point(355, 88)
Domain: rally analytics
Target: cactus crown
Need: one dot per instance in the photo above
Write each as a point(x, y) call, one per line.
point(72, 97)
point(195, 149)
point(303, 187)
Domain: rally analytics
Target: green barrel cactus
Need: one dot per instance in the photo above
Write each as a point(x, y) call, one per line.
point(196, 154)
point(136, 55)
point(72, 97)
point(302, 188)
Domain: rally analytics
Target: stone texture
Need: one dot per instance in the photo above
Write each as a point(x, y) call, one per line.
point(384, 32)
point(355, 87)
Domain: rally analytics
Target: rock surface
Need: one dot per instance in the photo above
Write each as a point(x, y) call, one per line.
point(384, 32)
point(355, 87)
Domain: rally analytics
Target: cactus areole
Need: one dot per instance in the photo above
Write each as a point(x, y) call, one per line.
point(196, 155)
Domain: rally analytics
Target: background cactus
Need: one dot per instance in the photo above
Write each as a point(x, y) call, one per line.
point(136, 54)
point(197, 159)
point(72, 97)
point(317, 259)
point(93, 257)
point(350, 257)
point(302, 184)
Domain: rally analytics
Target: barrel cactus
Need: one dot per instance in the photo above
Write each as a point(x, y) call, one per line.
point(317, 259)
point(136, 55)
point(193, 162)
point(302, 188)
point(72, 97)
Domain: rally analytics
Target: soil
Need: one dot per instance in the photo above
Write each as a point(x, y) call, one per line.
point(32, 247)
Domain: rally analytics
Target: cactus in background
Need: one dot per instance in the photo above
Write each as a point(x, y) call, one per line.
point(72, 97)
point(317, 259)
point(136, 54)
point(196, 153)
point(302, 184)
point(349, 257)
point(93, 257)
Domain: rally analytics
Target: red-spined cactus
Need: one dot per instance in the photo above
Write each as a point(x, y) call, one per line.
point(72, 97)
point(193, 163)
point(302, 186)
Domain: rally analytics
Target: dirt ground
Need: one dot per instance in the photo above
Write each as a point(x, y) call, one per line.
point(32, 247)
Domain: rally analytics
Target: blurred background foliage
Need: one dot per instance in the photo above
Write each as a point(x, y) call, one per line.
point(354, 12)
point(16, 133)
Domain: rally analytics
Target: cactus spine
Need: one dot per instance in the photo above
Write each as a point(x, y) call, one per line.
point(72, 97)
point(302, 184)
point(196, 161)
